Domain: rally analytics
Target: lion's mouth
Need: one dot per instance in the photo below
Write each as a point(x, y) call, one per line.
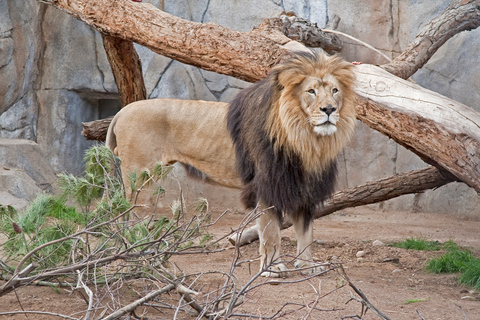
point(325, 129)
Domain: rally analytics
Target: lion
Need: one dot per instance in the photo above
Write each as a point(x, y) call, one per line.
point(287, 131)
point(277, 141)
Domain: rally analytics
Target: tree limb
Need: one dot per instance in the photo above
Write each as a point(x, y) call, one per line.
point(304, 31)
point(461, 15)
point(126, 69)
point(244, 55)
point(97, 129)
point(132, 306)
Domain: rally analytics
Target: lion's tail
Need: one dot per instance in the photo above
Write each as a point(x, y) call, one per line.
point(111, 140)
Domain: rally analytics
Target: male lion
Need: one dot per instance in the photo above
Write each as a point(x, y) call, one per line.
point(287, 131)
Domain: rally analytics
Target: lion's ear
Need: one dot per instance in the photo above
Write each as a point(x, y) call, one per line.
point(289, 78)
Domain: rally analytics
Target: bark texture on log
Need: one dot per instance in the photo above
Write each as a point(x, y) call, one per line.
point(96, 130)
point(461, 15)
point(388, 188)
point(443, 132)
point(304, 31)
point(126, 69)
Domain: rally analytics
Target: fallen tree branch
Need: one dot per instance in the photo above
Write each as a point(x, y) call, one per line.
point(97, 129)
point(363, 299)
point(372, 192)
point(304, 31)
point(441, 131)
point(460, 16)
point(132, 306)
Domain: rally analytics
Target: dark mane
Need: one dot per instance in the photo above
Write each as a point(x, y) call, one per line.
point(270, 174)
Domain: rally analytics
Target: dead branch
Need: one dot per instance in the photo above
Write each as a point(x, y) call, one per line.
point(97, 129)
point(461, 15)
point(132, 306)
point(363, 298)
point(304, 31)
point(82, 285)
point(363, 43)
point(244, 55)
point(443, 132)
point(38, 312)
point(419, 314)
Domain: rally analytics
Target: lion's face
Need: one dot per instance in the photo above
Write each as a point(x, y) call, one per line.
point(314, 114)
point(321, 100)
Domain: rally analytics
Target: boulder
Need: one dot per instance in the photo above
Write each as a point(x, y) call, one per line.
point(24, 172)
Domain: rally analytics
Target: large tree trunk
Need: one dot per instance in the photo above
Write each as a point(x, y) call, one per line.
point(250, 55)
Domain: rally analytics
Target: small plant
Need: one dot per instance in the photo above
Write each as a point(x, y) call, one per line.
point(414, 301)
point(48, 218)
point(417, 244)
point(454, 260)
point(457, 259)
point(471, 274)
point(7, 210)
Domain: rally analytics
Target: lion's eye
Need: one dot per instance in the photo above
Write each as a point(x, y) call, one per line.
point(334, 90)
point(311, 91)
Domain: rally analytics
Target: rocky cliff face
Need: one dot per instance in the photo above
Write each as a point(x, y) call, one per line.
point(54, 75)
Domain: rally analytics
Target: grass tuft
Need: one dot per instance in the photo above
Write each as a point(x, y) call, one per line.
point(454, 260)
point(471, 274)
point(417, 244)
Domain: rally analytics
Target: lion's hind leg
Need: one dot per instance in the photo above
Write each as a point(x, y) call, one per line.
point(304, 235)
point(270, 244)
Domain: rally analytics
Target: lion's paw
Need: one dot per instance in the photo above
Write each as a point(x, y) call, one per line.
point(309, 268)
point(276, 271)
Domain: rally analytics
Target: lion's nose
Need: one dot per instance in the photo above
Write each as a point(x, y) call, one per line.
point(328, 110)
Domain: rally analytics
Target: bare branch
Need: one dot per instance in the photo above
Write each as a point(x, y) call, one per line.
point(364, 299)
point(38, 312)
point(132, 306)
point(461, 15)
point(304, 31)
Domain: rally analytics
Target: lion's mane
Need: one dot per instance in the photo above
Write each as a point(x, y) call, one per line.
point(281, 160)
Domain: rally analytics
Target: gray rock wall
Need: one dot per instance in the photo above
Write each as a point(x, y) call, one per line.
point(54, 75)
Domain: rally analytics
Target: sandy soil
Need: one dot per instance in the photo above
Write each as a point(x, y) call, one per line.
point(392, 279)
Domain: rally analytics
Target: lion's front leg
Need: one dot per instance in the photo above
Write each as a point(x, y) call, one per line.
point(270, 245)
point(304, 235)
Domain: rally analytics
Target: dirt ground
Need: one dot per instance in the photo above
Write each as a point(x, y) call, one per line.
point(392, 279)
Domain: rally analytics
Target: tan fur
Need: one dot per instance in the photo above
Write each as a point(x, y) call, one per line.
point(171, 130)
